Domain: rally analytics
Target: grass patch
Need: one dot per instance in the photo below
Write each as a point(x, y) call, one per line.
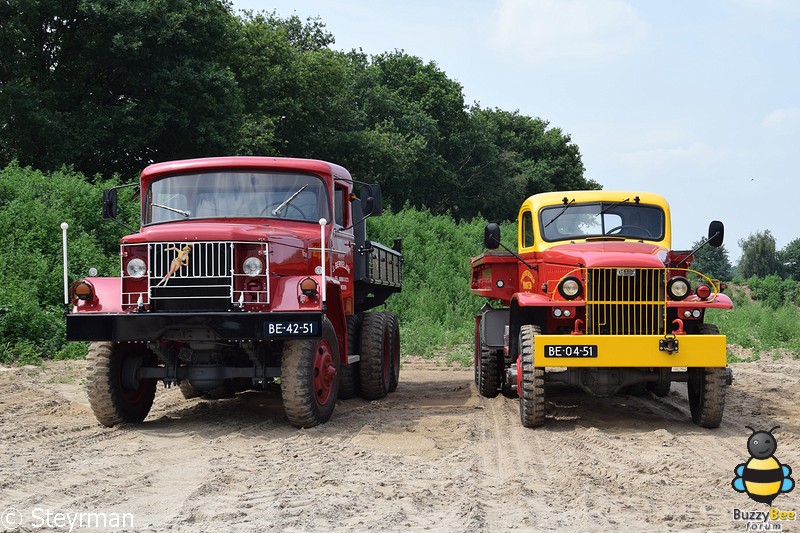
point(759, 327)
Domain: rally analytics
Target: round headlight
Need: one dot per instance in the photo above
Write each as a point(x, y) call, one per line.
point(678, 288)
point(136, 268)
point(252, 266)
point(570, 288)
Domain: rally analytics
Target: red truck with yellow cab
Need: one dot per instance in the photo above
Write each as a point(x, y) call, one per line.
point(246, 272)
point(596, 298)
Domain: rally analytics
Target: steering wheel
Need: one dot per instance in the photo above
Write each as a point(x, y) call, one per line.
point(270, 207)
point(623, 226)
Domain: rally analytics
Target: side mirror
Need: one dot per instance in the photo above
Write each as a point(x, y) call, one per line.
point(491, 236)
point(716, 233)
point(110, 204)
point(373, 203)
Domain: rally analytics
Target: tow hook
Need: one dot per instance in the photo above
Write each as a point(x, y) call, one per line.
point(669, 345)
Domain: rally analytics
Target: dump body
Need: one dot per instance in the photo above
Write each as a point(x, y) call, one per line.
point(238, 261)
point(596, 291)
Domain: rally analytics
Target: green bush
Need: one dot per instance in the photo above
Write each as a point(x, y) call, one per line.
point(773, 290)
point(435, 308)
point(32, 207)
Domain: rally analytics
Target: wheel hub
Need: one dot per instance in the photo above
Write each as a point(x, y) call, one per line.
point(324, 372)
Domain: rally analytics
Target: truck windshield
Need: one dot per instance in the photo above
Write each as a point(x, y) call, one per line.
point(601, 219)
point(240, 194)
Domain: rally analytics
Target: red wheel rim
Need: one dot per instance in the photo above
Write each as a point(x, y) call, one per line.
point(324, 372)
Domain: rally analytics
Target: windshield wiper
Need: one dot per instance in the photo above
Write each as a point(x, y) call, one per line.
point(286, 202)
point(566, 205)
point(615, 204)
point(186, 214)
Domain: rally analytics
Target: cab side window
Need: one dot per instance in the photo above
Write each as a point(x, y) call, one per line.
point(527, 229)
point(339, 211)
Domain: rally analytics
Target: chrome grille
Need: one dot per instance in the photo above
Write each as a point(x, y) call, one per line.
point(207, 277)
point(621, 301)
point(205, 260)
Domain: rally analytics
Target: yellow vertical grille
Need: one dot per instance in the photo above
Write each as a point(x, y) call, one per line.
point(625, 301)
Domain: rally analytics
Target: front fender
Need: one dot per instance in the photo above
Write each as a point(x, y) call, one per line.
point(107, 296)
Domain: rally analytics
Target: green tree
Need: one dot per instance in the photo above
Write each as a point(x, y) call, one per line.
point(790, 258)
point(508, 157)
point(409, 115)
point(759, 257)
point(112, 85)
point(713, 262)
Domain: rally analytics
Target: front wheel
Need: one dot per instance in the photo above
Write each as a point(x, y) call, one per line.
point(706, 388)
point(531, 401)
point(114, 394)
point(310, 378)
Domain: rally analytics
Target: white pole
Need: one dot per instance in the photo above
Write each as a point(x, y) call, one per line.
point(322, 223)
point(64, 228)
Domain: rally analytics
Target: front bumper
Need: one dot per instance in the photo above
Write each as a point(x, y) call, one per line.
point(643, 351)
point(192, 326)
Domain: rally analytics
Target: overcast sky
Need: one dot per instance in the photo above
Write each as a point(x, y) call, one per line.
point(696, 100)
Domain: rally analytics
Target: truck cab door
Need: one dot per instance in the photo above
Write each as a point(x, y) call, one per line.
point(343, 244)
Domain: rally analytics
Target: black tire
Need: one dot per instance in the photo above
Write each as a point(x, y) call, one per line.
point(531, 402)
point(348, 382)
point(707, 387)
point(488, 373)
point(111, 402)
point(375, 367)
point(310, 378)
point(393, 327)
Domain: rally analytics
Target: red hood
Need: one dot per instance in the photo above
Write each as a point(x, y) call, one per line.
point(607, 254)
point(225, 231)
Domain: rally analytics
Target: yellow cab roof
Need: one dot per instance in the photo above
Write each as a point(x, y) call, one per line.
point(549, 199)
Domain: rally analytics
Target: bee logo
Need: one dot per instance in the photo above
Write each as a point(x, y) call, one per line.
point(762, 477)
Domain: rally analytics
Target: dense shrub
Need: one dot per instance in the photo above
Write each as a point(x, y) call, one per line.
point(773, 290)
point(32, 207)
point(435, 308)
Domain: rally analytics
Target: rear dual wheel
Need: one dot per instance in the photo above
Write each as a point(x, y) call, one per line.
point(349, 383)
point(393, 328)
point(488, 372)
point(376, 356)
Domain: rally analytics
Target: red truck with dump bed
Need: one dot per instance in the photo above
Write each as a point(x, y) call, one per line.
point(596, 298)
point(246, 272)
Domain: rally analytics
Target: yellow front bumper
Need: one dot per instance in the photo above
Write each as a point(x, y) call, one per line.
point(628, 351)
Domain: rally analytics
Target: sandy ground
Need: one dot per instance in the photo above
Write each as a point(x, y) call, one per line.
point(433, 456)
